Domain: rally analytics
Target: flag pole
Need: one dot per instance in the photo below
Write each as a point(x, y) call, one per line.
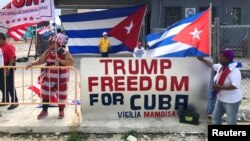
point(142, 26)
point(210, 28)
point(36, 42)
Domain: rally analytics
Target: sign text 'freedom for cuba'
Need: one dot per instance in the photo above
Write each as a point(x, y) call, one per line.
point(127, 88)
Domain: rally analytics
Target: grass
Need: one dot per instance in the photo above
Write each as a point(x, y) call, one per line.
point(77, 136)
point(132, 133)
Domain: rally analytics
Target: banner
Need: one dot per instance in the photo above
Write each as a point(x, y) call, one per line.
point(20, 14)
point(126, 88)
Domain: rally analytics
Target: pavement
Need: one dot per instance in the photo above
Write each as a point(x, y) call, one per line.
point(23, 119)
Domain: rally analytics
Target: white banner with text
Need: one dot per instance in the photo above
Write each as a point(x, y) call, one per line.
point(128, 88)
point(20, 12)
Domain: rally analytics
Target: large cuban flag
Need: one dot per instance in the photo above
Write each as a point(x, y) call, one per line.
point(188, 37)
point(85, 29)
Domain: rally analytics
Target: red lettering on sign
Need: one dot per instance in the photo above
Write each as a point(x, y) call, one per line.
point(106, 68)
point(133, 69)
point(132, 83)
point(165, 64)
point(161, 83)
point(119, 65)
point(136, 66)
point(138, 83)
point(29, 2)
point(92, 81)
point(150, 68)
point(119, 83)
point(18, 3)
point(21, 3)
point(175, 86)
point(143, 86)
point(106, 82)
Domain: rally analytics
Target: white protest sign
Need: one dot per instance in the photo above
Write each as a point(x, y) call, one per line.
point(128, 88)
point(20, 12)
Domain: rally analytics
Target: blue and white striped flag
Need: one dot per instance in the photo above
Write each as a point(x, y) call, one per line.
point(84, 30)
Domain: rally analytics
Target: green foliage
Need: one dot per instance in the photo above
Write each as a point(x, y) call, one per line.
point(131, 132)
point(77, 136)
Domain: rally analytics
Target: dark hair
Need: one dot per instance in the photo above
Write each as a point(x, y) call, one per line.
point(2, 36)
point(59, 30)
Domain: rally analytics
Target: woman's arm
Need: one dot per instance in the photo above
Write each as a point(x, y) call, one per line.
point(208, 63)
point(218, 87)
point(39, 61)
point(67, 61)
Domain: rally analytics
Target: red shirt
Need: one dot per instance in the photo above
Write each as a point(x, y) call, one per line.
point(8, 52)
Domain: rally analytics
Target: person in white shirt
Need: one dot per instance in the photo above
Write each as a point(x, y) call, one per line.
point(226, 86)
point(139, 51)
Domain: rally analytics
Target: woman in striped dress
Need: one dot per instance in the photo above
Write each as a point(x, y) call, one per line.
point(54, 80)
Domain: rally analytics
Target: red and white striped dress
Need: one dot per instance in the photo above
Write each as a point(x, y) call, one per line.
point(54, 81)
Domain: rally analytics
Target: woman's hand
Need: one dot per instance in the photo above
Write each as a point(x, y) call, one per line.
point(207, 62)
point(217, 87)
point(58, 61)
point(28, 66)
point(200, 58)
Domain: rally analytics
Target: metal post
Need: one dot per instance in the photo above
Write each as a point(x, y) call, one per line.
point(216, 42)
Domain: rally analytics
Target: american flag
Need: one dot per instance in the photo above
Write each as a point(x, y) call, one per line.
point(17, 33)
point(43, 29)
point(36, 88)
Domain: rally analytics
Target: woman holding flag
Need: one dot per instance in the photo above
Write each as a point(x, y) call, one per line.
point(54, 80)
point(226, 86)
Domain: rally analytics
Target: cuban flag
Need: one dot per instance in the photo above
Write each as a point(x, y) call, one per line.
point(123, 25)
point(188, 37)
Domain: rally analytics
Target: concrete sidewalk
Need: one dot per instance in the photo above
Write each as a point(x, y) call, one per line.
point(24, 120)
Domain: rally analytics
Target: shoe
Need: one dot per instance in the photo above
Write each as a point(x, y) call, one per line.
point(12, 106)
point(61, 115)
point(210, 117)
point(42, 115)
